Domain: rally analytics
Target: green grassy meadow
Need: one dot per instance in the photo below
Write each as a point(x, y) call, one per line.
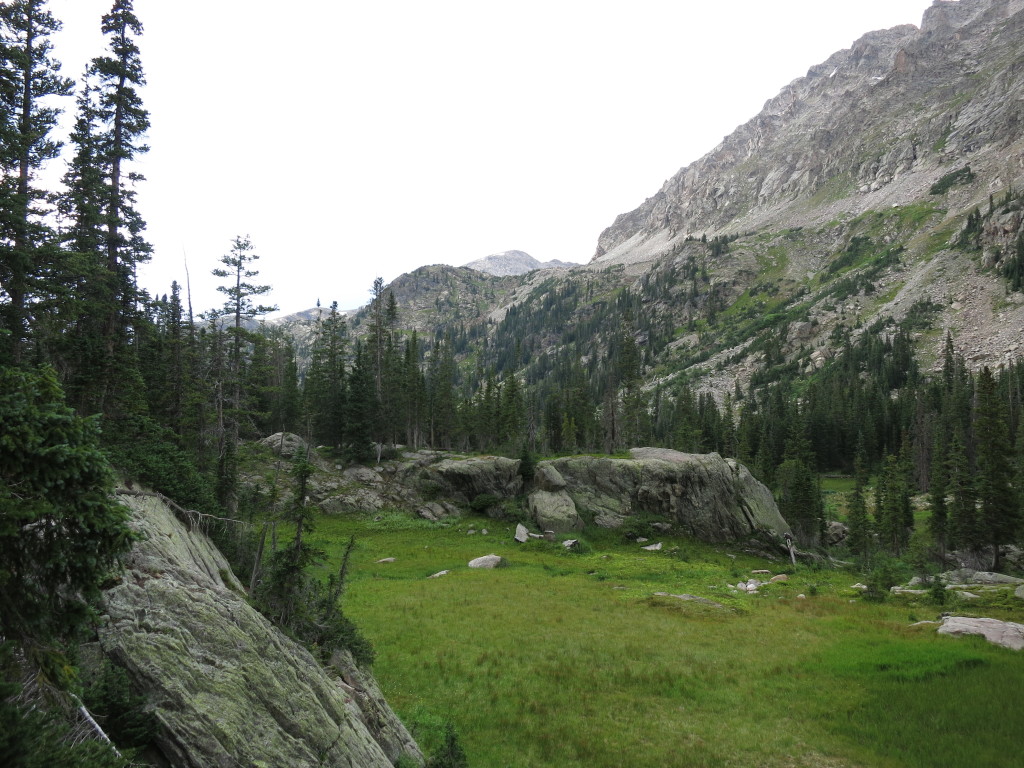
point(565, 659)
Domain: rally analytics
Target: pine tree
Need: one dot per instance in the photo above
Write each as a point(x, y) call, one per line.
point(938, 522)
point(1000, 514)
point(859, 537)
point(239, 305)
point(29, 80)
point(60, 530)
point(106, 228)
point(324, 390)
point(964, 527)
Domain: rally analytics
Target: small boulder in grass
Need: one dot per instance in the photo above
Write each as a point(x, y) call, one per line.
point(652, 547)
point(487, 561)
point(776, 579)
point(438, 575)
point(386, 560)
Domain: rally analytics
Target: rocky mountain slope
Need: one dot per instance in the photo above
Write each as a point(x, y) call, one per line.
point(873, 126)
point(514, 263)
point(846, 204)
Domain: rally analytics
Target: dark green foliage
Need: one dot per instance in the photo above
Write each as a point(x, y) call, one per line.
point(1013, 265)
point(297, 601)
point(857, 249)
point(60, 531)
point(147, 451)
point(450, 754)
point(33, 738)
point(887, 572)
point(29, 80)
point(527, 464)
point(122, 714)
point(970, 236)
point(999, 513)
point(484, 501)
point(960, 176)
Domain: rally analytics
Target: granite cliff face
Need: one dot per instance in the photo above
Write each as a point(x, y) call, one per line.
point(872, 126)
point(226, 686)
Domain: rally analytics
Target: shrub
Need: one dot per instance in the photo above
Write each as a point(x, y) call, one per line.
point(960, 176)
point(484, 501)
point(450, 754)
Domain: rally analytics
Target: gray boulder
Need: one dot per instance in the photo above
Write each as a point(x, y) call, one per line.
point(547, 478)
point(487, 561)
point(1004, 633)
point(226, 686)
point(970, 576)
point(522, 534)
point(285, 444)
point(462, 480)
point(704, 495)
point(554, 511)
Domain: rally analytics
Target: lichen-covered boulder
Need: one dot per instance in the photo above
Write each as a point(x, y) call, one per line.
point(462, 480)
point(704, 495)
point(226, 686)
point(554, 511)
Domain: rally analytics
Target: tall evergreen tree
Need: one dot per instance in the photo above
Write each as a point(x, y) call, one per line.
point(239, 306)
point(29, 80)
point(324, 390)
point(999, 509)
point(938, 521)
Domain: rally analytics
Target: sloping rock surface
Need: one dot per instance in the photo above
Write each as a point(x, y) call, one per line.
point(708, 497)
point(1004, 633)
point(227, 687)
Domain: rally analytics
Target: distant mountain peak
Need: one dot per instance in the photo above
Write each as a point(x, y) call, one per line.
point(514, 263)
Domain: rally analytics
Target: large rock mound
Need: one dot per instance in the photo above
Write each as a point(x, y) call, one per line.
point(226, 686)
point(708, 497)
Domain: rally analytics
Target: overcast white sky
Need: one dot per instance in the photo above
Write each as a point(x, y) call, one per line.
point(356, 139)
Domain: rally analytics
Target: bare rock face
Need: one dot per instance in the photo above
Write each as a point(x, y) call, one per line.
point(1003, 633)
point(843, 131)
point(706, 496)
point(226, 686)
point(462, 480)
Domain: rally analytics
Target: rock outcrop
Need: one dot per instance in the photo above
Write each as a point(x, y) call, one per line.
point(226, 686)
point(1003, 633)
point(708, 497)
point(844, 130)
point(462, 480)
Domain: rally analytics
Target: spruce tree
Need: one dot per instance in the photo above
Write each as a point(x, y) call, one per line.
point(239, 306)
point(1000, 514)
point(938, 521)
point(29, 80)
point(324, 390)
